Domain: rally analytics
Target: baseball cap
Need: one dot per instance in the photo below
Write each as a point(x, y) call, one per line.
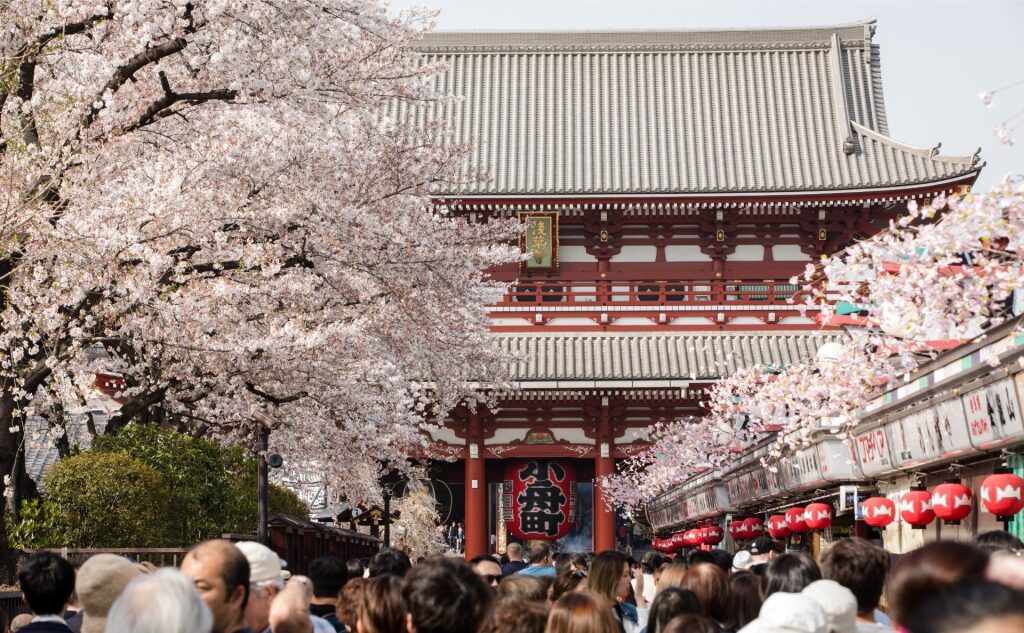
point(789, 613)
point(742, 561)
point(99, 582)
point(763, 545)
point(838, 603)
point(264, 564)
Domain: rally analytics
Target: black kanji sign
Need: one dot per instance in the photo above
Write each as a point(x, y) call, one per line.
point(542, 490)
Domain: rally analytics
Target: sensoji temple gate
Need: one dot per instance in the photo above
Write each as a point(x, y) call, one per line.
point(669, 185)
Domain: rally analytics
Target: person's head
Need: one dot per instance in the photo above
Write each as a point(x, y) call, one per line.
point(609, 576)
point(970, 607)
point(355, 568)
point(838, 603)
point(927, 569)
point(488, 569)
point(651, 560)
point(99, 582)
point(722, 559)
point(745, 589)
point(522, 587)
point(266, 580)
point(443, 594)
point(860, 567)
point(711, 586)
point(790, 612)
point(381, 609)
point(691, 623)
point(997, 540)
point(540, 553)
point(328, 574)
point(581, 612)
point(164, 601)
point(514, 552)
point(570, 561)
point(565, 583)
point(698, 556)
point(672, 576)
point(518, 616)
point(671, 603)
point(790, 572)
point(47, 581)
point(220, 573)
point(20, 621)
point(389, 561)
point(763, 549)
point(349, 600)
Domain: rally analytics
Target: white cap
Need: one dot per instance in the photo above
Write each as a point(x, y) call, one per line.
point(742, 560)
point(264, 564)
point(838, 602)
point(788, 613)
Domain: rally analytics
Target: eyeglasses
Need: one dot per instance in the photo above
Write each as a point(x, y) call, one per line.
point(579, 575)
point(491, 579)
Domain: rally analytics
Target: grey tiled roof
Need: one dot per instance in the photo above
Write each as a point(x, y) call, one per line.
point(654, 356)
point(676, 112)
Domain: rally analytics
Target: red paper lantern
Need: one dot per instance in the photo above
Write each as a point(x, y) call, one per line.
point(916, 508)
point(1003, 495)
point(678, 541)
point(713, 535)
point(778, 527)
point(690, 538)
point(818, 516)
point(736, 530)
point(952, 502)
point(543, 498)
point(752, 528)
point(879, 511)
point(795, 520)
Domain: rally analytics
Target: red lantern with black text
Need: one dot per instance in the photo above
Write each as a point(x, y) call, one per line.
point(916, 508)
point(1003, 495)
point(713, 535)
point(752, 528)
point(736, 530)
point(878, 512)
point(796, 521)
point(543, 499)
point(778, 527)
point(818, 516)
point(952, 502)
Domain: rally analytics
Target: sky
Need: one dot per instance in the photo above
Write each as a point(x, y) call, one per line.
point(936, 56)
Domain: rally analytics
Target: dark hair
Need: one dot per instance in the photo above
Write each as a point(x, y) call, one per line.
point(669, 604)
point(605, 572)
point(444, 594)
point(964, 605)
point(723, 559)
point(389, 561)
point(47, 581)
point(381, 609)
point(355, 568)
point(711, 585)
point(565, 561)
point(582, 612)
point(924, 571)
point(691, 624)
point(998, 540)
point(698, 556)
point(518, 616)
point(349, 600)
point(564, 583)
point(790, 573)
point(539, 551)
point(860, 567)
point(329, 574)
point(235, 572)
point(522, 587)
point(746, 598)
point(652, 560)
point(482, 558)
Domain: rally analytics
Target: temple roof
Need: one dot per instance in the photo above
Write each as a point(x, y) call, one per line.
point(666, 112)
point(579, 359)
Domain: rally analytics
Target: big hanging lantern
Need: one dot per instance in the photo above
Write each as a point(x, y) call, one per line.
point(796, 521)
point(778, 527)
point(736, 530)
point(818, 516)
point(691, 538)
point(916, 508)
point(543, 499)
point(752, 528)
point(713, 535)
point(952, 502)
point(878, 511)
point(1003, 495)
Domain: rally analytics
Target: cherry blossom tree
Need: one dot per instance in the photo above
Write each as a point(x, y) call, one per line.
point(222, 198)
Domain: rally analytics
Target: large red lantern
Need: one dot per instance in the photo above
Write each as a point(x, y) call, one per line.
point(713, 535)
point(543, 499)
point(818, 516)
point(752, 528)
point(916, 508)
point(778, 527)
point(879, 511)
point(736, 530)
point(1003, 495)
point(691, 538)
point(795, 520)
point(952, 502)
point(678, 541)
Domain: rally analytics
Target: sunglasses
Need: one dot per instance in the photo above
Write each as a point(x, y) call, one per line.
point(491, 579)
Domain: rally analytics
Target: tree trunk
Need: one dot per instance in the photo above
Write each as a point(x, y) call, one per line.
point(12, 462)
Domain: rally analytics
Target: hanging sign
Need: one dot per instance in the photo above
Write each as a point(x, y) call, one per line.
point(539, 241)
point(543, 496)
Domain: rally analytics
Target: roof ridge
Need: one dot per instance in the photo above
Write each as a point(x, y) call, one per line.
point(810, 27)
point(923, 152)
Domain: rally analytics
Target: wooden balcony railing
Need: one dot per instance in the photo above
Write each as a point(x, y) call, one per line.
point(647, 293)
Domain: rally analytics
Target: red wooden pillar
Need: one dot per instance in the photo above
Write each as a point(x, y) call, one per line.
point(476, 490)
point(604, 465)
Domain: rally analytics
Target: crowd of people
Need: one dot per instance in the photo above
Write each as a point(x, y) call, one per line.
point(223, 587)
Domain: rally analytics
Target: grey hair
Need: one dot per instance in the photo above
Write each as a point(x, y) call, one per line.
point(165, 601)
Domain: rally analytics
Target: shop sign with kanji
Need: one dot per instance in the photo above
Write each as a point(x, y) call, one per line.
point(543, 498)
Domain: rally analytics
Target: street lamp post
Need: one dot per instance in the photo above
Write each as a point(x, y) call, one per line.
point(387, 516)
point(263, 425)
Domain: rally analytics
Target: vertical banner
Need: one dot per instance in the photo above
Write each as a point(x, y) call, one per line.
point(539, 241)
point(542, 499)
